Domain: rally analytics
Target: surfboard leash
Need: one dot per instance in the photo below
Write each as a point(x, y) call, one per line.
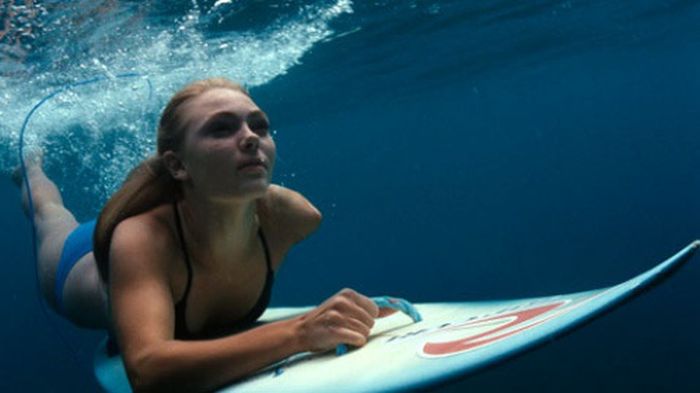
point(30, 202)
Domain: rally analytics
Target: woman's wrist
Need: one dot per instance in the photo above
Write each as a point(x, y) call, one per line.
point(296, 329)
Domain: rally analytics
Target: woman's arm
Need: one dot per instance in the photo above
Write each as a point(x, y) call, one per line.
point(143, 313)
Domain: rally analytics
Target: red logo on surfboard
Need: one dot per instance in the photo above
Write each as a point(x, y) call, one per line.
point(493, 328)
point(498, 327)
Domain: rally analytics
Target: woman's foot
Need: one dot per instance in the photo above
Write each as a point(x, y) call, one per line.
point(33, 158)
point(42, 188)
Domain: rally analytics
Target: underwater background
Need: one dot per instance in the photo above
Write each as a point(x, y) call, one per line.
point(459, 150)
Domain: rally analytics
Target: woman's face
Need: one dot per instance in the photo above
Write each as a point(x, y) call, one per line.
point(228, 151)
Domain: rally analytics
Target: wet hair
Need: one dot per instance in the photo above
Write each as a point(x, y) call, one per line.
point(150, 184)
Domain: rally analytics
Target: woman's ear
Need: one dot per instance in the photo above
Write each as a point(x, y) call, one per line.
point(175, 166)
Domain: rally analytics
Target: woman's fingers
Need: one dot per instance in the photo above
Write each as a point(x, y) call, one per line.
point(362, 301)
point(386, 311)
point(357, 326)
point(348, 318)
point(349, 336)
point(351, 309)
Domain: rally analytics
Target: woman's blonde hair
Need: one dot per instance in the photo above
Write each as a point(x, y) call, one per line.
point(150, 184)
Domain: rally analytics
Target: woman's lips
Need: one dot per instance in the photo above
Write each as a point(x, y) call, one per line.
point(252, 166)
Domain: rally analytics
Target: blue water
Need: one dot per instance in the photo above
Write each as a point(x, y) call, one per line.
point(459, 150)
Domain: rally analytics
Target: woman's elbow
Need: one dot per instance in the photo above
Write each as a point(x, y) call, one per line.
point(146, 375)
point(140, 379)
point(312, 221)
point(315, 218)
point(307, 224)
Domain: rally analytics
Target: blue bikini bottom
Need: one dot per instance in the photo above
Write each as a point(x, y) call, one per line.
point(76, 246)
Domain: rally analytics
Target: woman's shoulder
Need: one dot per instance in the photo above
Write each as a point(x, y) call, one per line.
point(150, 230)
point(140, 267)
point(291, 214)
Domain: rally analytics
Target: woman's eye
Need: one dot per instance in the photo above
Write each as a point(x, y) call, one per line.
point(219, 130)
point(223, 128)
point(260, 126)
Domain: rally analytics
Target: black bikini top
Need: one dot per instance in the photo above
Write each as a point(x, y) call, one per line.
point(181, 330)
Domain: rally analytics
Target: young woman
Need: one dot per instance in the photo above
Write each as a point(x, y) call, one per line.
point(185, 252)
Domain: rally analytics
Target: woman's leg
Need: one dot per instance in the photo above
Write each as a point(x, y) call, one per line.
point(84, 298)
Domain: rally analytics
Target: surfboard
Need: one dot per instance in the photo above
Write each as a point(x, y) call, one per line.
point(451, 341)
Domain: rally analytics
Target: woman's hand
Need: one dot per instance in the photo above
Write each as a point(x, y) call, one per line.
point(345, 318)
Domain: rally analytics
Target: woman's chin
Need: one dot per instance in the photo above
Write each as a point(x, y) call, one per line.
point(245, 193)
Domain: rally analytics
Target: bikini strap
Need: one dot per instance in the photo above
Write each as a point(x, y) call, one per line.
point(266, 249)
point(184, 251)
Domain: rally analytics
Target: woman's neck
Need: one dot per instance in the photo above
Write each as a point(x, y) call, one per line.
point(218, 232)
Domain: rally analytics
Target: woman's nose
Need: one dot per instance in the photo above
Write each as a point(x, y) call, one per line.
point(250, 140)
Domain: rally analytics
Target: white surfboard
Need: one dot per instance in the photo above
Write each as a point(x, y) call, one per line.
point(452, 340)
